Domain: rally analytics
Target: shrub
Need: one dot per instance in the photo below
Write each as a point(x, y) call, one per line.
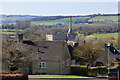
point(79, 70)
point(97, 70)
point(91, 71)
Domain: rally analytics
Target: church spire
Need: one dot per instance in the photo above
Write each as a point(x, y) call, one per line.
point(70, 27)
point(70, 30)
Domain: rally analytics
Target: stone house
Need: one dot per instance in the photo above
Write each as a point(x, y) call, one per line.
point(45, 57)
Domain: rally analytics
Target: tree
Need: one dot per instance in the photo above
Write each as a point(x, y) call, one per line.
point(87, 52)
point(15, 56)
point(15, 59)
point(23, 24)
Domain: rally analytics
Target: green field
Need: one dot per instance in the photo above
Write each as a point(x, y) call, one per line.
point(6, 30)
point(9, 31)
point(45, 22)
point(55, 75)
point(65, 21)
point(105, 18)
point(115, 35)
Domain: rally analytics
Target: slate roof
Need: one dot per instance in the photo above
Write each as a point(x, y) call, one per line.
point(42, 50)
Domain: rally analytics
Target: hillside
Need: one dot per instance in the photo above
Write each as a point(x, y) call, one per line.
point(13, 18)
point(99, 36)
point(62, 20)
point(76, 20)
point(104, 38)
point(104, 18)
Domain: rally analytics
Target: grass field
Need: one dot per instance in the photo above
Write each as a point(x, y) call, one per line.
point(65, 21)
point(115, 35)
point(105, 18)
point(56, 76)
point(9, 31)
point(45, 22)
point(12, 30)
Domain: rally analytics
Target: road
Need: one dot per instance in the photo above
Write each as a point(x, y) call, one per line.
point(65, 78)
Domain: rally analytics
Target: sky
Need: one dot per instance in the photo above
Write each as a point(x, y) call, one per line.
point(58, 7)
point(59, 0)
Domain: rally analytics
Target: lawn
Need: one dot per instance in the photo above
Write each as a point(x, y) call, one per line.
point(56, 76)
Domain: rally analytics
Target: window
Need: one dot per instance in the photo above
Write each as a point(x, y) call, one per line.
point(42, 64)
point(68, 62)
point(63, 64)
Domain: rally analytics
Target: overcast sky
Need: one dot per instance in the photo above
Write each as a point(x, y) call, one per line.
point(58, 7)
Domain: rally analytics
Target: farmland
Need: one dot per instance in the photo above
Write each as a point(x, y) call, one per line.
point(77, 20)
point(87, 25)
point(62, 20)
point(9, 31)
point(104, 18)
point(99, 36)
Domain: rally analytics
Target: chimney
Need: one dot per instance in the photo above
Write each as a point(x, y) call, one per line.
point(20, 37)
point(49, 37)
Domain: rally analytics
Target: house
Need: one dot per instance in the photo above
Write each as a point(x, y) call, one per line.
point(110, 54)
point(46, 57)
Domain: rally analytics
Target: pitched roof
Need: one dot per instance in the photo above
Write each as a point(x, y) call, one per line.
point(42, 50)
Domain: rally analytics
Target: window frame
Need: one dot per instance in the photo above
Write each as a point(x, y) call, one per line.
point(43, 65)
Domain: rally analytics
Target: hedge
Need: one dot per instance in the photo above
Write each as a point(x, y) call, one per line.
point(79, 70)
point(91, 71)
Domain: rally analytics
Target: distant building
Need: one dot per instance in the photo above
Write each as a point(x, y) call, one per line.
point(55, 37)
point(62, 36)
point(49, 37)
point(110, 54)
